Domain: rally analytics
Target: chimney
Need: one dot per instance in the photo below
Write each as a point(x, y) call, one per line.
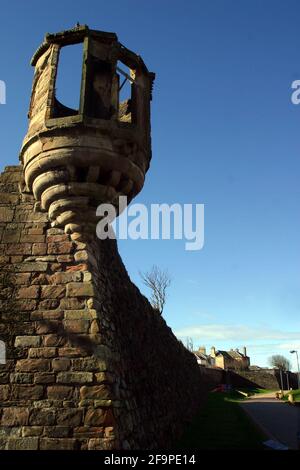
point(202, 349)
point(245, 351)
point(213, 351)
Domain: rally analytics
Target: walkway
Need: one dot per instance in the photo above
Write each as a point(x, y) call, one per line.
point(278, 420)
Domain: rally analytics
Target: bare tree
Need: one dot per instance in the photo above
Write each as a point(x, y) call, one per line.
point(157, 280)
point(189, 344)
point(280, 362)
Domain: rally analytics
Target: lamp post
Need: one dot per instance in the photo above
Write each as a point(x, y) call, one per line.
point(296, 352)
point(287, 379)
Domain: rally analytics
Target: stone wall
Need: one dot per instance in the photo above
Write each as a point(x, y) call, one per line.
point(270, 379)
point(89, 365)
point(262, 379)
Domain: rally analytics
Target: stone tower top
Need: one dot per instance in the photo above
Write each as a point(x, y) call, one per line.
point(75, 159)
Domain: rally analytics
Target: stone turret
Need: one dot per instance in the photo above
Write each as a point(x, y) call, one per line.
point(85, 361)
point(75, 160)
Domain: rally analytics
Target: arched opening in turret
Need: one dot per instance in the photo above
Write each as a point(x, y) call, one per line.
point(68, 81)
point(99, 98)
point(126, 79)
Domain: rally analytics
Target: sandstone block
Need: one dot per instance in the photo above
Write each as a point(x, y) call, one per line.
point(71, 304)
point(44, 378)
point(32, 267)
point(6, 214)
point(88, 431)
point(80, 289)
point(57, 238)
point(89, 364)
point(33, 365)
point(23, 443)
point(30, 431)
point(22, 278)
point(31, 292)
point(81, 255)
point(7, 198)
point(78, 267)
point(42, 352)
point(104, 377)
point(72, 352)
point(56, 431)
point(21, 378)
point(87, 277)
point(39, 279)
point(65, 258)
point(95, 327)
point(48, 443)
point(47, 315)
point(19, 249)
point(59, 392)
point(102, 403)
point(25, 305)
point(80, 314)
point(39, 249)
point(15, 416)
point(94, 417)
point(54, 340)
point(32, 238)
point(77, 326)
point(95, 391)
point(11, 236)
point(27, 341)
point(4, 392)
point(74, 377)
point(61, 364)
point(53, 292)
point(70, 417)
point(48, 326)
point(27, 392)
point(42, 417)
point(60, 248)
point(49, 304)
point(65, 277)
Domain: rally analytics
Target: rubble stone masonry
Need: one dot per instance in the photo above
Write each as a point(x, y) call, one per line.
point(89, 364)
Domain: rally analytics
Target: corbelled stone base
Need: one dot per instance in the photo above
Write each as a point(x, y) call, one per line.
point(90, 365)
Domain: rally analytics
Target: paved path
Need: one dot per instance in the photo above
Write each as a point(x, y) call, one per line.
point(279, 421)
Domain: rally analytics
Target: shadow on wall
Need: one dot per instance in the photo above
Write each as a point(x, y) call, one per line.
point(243, 379)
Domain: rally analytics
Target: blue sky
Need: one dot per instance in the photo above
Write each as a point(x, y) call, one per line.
point(225, 134)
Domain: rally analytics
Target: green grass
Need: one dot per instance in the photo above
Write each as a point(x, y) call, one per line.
point(221, 424)
point(296, 394)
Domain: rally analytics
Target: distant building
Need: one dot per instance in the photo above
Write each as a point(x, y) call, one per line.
point(254, 367)
point(233, 359)
point(202, 358)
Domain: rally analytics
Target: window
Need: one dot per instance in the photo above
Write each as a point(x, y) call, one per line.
point(100, 78)
point(68, 81)
point(126, 82)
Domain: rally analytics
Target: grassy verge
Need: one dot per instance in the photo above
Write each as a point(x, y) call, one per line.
point(296, 394)
point(221, 424)
point(257, 391)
